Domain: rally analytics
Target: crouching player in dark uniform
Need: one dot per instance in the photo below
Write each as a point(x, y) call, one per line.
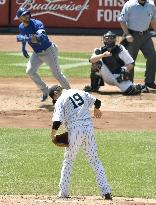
point(111, 64)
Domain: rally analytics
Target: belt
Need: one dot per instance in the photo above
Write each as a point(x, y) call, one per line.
point(42, 51)
point(141, 33)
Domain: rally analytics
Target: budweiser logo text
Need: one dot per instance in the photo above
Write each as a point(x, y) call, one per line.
point(68, 9)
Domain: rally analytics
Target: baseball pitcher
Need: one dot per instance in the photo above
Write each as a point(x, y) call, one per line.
point(72, 109)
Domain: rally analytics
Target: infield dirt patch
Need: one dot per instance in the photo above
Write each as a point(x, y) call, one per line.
point(20, 106)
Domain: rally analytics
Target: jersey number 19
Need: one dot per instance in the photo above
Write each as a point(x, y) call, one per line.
point(77, 100)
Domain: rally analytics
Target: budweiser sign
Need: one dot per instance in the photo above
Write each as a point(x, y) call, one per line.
point(68, 9)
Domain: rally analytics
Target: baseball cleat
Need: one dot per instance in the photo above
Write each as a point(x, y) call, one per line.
point(151, 85)
point(108, 196)
point(63, 196)
point(142, 88)
point(88, 88)
point(44, 97)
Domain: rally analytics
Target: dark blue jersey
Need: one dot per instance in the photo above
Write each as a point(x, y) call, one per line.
point(33, 27)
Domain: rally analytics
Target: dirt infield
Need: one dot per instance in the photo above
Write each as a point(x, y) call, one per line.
point(79, 200)
point(20, 107)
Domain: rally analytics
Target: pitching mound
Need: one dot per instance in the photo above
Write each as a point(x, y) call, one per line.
point(20, 106)
point(79, 200)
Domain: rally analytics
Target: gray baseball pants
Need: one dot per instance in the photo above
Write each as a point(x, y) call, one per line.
point(110, 79)
point(50, 57)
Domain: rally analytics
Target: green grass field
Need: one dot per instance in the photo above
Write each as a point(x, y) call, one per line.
point(30, 164)
point(72, 64)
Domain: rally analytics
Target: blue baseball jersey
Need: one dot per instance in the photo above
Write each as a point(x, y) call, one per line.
point(33, 27)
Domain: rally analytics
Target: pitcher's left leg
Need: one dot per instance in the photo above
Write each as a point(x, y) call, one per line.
point(90, 149)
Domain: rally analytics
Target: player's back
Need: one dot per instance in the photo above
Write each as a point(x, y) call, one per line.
point(76, 104)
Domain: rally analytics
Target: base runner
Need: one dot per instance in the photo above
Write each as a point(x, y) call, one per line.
point(44, 51)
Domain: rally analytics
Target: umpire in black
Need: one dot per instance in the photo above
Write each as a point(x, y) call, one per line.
point(135, 20)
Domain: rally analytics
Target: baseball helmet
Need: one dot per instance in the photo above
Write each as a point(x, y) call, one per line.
point(109, 39)
point(22, 11)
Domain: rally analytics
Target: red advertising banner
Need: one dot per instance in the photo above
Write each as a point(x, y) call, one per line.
point(4, 11)
point(68, 13)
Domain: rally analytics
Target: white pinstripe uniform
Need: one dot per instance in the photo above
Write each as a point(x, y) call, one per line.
point(72, 108)
point(110, 78)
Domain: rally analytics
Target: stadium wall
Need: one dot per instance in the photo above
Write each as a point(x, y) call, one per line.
point(86, 17)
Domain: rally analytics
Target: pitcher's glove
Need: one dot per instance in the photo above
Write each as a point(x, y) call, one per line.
point(61, 140)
